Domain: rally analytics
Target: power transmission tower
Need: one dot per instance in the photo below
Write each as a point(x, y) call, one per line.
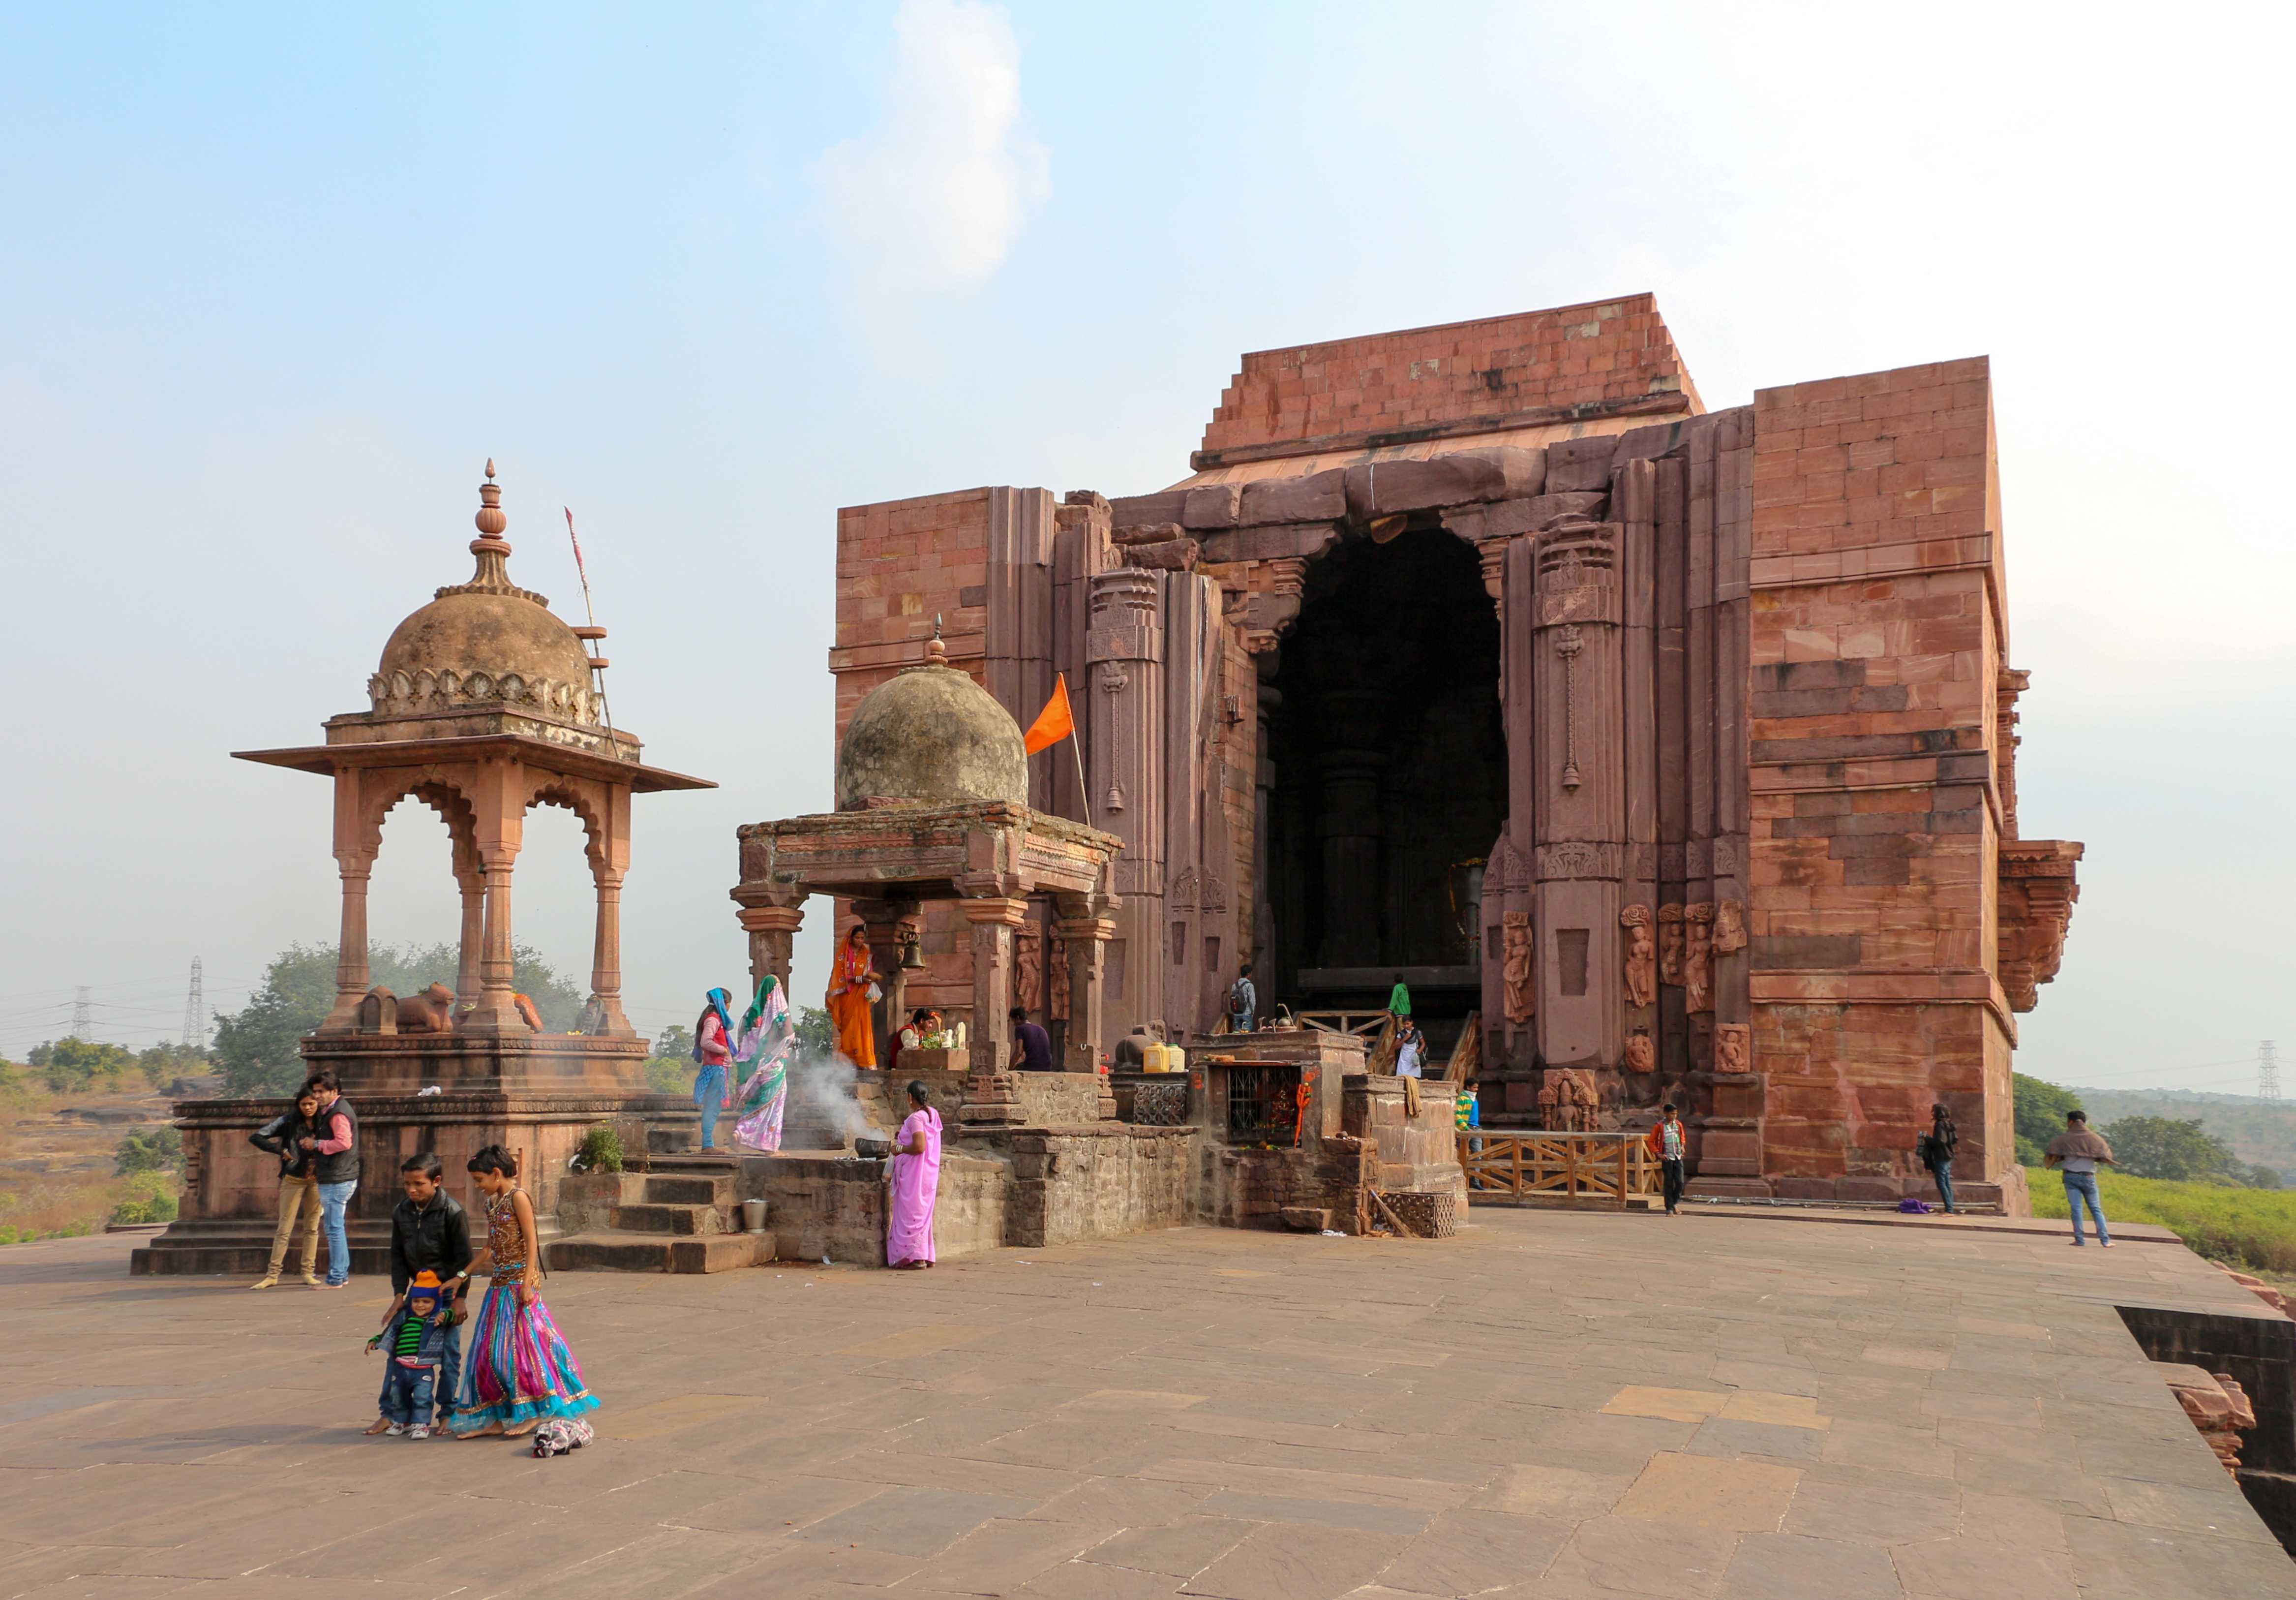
point(2267, 1073)
point(82, 1016)
point(195, 1013)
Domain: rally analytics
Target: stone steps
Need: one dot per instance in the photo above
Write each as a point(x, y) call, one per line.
point(684, 1219)
point(623, 1250)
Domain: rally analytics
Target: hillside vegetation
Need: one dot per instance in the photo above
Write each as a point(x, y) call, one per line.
point(2262, 1132)
point(2254, 1229)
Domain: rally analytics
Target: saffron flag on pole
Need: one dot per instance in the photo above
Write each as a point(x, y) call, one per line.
point(1054, 723)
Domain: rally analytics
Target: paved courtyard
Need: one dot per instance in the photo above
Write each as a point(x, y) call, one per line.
point(1551, 1406)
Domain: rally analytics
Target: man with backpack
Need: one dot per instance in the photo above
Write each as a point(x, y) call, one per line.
point(1242, 1002)
point(1670, 1144)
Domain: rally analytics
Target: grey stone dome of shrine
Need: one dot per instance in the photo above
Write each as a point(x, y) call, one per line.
point(930, 735)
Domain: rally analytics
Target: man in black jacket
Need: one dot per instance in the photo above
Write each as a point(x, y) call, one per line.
point(430, 1232)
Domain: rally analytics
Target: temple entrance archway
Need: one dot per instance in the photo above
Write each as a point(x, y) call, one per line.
point(1389, 767)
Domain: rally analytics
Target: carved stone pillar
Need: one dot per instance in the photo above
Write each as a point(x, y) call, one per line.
point(1084, 938)
point(496, 1011)
point(1124, 646)
point(991, 1096)
point(351, 953)
point(606, 955)
point(772, 929)
point(886, 920)
point(472, 883)
point(1579, 782)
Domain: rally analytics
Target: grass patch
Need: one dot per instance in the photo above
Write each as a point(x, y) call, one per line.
point(83, 1190)
point(2253, 1229)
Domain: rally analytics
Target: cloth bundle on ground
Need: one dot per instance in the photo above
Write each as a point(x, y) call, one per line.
point(561, 1434)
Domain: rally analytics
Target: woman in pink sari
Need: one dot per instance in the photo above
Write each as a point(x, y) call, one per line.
point(915, 1185)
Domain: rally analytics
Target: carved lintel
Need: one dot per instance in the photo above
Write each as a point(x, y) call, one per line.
point(1580, 858)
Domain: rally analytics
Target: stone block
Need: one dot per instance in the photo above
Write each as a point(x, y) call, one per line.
point(1386, 489)
point(1211, 506)
point(1428, 1216)
point(1306, 1219)
point(1135, 510)
point(1315, 497)
point(1574, 465)
point(1522, 472)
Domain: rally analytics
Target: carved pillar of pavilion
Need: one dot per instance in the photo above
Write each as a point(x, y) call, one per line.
point(772, 928)
point(991, 1096)
point(351, 953)
point(886, 922)
point(1085, 934)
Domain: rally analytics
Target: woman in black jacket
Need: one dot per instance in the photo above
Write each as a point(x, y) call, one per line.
point(298, 1186)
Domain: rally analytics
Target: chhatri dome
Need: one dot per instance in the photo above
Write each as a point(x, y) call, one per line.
point(488, 646)
point(930, 735)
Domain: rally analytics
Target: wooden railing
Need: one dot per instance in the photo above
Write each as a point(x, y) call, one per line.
point(1357, 1022)
point(1612, 1167)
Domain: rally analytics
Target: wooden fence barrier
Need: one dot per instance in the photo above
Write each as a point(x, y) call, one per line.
point(1501, 1167)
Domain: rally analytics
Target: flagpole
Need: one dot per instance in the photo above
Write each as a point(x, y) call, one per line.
point(1084, 789)
point(582, 571)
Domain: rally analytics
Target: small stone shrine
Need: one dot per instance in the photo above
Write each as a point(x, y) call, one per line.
point(484, 704)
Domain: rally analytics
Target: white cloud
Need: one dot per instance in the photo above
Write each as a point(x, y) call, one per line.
point(931, 198)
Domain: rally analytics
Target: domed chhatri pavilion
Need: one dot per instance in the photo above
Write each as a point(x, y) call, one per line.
point(485, 703)
point(932, 790)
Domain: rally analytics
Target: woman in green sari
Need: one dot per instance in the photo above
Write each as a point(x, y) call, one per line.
point(766, 1036)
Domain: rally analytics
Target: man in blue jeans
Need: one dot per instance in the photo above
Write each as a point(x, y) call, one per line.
point(334, 1161)
point(2077, 1152)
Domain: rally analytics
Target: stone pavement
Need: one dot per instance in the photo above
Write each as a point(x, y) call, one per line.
point(1551, 1406)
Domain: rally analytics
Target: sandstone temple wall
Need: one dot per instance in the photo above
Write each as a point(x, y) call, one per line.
point(1878, 640)
point(1737, 767)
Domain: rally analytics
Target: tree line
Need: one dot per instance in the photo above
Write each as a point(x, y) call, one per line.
point(2177, 1148)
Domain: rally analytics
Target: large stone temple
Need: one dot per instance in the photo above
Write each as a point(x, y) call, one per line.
point(1667, 751)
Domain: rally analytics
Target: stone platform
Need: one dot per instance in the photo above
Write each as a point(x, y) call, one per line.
point(1549, 1406)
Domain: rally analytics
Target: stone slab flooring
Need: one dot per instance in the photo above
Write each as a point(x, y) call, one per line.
point(1551, 1406)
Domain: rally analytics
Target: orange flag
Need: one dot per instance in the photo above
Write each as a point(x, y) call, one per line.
point(1054, 723)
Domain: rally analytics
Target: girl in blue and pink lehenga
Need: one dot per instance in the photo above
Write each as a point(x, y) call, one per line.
point(766, 1038)
point(521, 1370)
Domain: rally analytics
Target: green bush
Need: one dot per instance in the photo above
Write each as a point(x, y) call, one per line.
point(159, 1150)
point(148, 1196)
point(2250, 1228)
point(601, 1150)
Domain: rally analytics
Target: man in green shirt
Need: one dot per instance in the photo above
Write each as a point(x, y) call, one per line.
point(1399, 999)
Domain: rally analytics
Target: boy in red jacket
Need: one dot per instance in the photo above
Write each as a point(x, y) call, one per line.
point(1669, 1144)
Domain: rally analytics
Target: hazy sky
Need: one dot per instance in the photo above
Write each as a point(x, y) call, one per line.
point(274, 284)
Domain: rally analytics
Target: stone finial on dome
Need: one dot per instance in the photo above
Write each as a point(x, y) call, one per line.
point(492, 550)
point(936, 651)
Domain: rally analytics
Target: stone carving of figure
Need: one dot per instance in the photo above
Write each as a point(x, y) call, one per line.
point(1729, 927)
point(1734, 1047)
point(1029, 965)
point(1670, 945)
point(1698, 956)
point(1642, 1054)
point(1515, 969)
point(1060, 1001)
point(1641, 956)
point(1549, 1113)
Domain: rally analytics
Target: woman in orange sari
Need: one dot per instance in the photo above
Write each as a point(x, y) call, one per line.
point(852, 982)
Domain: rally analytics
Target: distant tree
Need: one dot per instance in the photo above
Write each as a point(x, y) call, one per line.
point(669, 1070)
point(816, 1034)
point(257, 1045)
point(2263, 1178)
point(2040, 1113)
point(164, 1063)
point(2172, 1148)
point(71, 1066)
point(159, 1151)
